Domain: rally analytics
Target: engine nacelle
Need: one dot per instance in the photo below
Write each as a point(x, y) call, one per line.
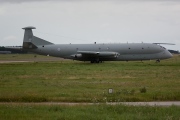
point(108, 54)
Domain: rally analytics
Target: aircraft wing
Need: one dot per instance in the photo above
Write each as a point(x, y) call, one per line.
point(98, 54)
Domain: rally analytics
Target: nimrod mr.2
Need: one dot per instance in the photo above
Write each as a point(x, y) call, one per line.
point(94, 53)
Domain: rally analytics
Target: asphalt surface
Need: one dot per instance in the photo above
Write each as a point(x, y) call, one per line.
point(13, 61)
point(31, 60)
point(38, 59)
point(163, 104)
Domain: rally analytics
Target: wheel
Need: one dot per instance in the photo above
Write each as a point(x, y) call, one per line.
point(97, 61)
point(92, 61)
point(158, 61)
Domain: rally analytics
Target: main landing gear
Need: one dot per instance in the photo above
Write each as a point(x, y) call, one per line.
point(158, 61)
point(96, 61)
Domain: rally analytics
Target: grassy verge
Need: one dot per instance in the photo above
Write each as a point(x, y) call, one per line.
point(73, 81)
point(91, 112)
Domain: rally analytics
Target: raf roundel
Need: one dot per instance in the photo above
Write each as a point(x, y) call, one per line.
point(58, 49)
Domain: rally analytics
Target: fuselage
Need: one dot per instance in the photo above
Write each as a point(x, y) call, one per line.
point(94, 52)
point(125, 51)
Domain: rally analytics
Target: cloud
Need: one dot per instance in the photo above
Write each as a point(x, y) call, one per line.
point(10, 38)
point(91, 20)
point(23, 1)
point(2, 11)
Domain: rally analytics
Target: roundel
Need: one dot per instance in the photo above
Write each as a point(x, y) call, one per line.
point(58, 49)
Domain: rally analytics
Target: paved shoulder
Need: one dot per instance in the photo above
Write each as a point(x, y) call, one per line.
point(163, 104)
point(169, 103)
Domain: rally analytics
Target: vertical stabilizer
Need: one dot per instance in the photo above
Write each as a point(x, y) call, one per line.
point(30, 41)
point(28, 36)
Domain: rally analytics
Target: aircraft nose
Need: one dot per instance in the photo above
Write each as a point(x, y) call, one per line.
point(168, 54)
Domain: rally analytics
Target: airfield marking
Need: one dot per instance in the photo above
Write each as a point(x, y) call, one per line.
point(163, 104)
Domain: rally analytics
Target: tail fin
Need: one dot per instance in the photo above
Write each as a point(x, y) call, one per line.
point(30, 41)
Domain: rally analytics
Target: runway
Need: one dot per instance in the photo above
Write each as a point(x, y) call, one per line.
point(169, 103)
point(13, 61)
point(162, 104)
point(48, 59)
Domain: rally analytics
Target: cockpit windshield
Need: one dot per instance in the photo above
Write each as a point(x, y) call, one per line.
point(163, 47)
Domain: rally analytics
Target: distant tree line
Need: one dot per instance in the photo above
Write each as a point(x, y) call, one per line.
point(12, 49)
point(174, 51)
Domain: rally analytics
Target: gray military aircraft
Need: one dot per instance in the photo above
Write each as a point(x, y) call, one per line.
point(95, 53)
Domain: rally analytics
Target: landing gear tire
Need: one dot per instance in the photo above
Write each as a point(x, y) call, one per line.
point(96, 61)
point(92, 61)
point(158, 61)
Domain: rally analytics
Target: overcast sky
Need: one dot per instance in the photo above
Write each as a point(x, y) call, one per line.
point(89, 21)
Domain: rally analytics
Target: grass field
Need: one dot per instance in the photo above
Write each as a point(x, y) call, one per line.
point(73, 81)
point(43, 80)
point(92, 112)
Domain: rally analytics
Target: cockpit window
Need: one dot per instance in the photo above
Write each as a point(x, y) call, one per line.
point(162, 47)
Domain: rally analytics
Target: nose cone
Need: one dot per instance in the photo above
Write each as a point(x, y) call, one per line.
point(167, 54)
